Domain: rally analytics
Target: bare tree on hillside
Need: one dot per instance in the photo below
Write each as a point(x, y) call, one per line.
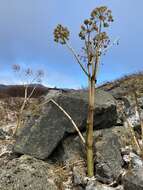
point(30, 80)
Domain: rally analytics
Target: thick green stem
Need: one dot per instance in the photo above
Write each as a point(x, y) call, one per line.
point(90, 119)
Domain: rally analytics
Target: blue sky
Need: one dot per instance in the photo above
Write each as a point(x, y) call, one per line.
point(26, 38)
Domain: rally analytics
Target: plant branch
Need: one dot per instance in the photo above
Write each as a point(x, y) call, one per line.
point(31, 93)
point(97, 56)
point(111, 45)
point(77, 58)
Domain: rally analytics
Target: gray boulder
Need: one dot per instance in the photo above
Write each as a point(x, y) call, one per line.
point(26, 173)
point(108, 158)
point(69, 150)
point(71, 147)
point(44, 129)
point(136, 160)
point(133, 180)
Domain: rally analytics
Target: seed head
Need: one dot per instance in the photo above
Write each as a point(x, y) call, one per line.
point(102, 14)
point(16, 67)
point(61, 34)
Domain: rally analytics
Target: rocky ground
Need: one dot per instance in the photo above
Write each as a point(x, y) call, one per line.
point(47, 153)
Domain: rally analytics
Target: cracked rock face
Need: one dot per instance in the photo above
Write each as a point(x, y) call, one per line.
point(43, 131)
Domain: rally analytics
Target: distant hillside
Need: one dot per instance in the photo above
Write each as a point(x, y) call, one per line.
point(117, 88)
point(18, 90)
point(2, 86)
point(120, 87)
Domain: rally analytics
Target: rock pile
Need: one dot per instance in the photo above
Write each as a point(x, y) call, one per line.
point(48, 153)
point(43, 131)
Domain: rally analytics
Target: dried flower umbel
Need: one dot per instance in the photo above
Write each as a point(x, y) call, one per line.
point(61, 34)
point(91, 33)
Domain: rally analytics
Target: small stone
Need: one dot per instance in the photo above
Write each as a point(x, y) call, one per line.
point(136, 160)
point(133, 180)
point(2, 134)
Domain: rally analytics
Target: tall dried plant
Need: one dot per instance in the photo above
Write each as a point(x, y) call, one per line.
point(95, 43)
